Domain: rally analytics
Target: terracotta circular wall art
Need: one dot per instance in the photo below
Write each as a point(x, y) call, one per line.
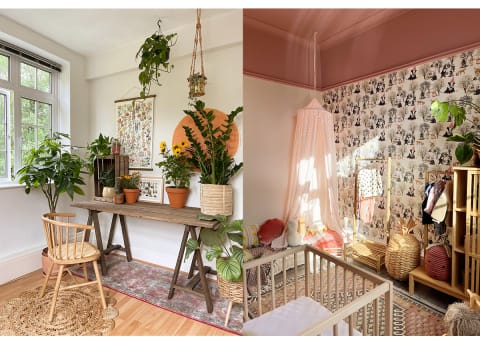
point(220, 117)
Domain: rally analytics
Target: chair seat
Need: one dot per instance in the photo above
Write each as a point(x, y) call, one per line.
point(69, 252)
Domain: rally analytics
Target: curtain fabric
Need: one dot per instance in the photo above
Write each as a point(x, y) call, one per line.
point(313, 186)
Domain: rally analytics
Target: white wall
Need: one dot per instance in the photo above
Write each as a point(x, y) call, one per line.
point(21, 229)
point(270, 111)
point(153, 241)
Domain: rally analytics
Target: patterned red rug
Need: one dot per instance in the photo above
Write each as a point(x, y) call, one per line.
point(151, 284)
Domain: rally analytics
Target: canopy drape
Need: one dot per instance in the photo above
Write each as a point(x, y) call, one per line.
point(313, 187)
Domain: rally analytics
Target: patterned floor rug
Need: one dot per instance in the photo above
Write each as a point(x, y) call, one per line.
point(411, 316)
point(151, 284)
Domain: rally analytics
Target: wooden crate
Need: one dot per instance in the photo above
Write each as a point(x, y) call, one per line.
point(118, 162)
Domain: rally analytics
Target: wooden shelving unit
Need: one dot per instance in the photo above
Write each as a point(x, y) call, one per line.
point(465, 239)
point(119, 162)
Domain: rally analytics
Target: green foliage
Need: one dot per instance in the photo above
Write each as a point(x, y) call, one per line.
point(214, 163)
point(470, 139)
point(107, 178)
point(175, 167)
point(130, 181)
point(223, 244)
point(98, 148)
point(54, 169)
point(154, 58)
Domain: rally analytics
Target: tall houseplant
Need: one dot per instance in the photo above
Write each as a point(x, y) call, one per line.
point(210, 155)
point(469, 137)
point(54, 169)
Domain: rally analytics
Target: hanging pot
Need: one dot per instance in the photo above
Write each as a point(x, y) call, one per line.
point(177, 197)
point(216, 199)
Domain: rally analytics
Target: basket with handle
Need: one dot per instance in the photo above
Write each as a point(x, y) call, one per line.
point(403, 254)
point(232, 291)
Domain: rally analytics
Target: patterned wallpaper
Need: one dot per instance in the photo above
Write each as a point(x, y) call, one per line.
point(389, 116)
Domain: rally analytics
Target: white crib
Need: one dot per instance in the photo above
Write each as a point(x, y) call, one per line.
point(320, 295)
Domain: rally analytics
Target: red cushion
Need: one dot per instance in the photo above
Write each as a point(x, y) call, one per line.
point(330, 240)
point(269, 230)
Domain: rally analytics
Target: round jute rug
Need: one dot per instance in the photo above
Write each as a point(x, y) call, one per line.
point(78, 312)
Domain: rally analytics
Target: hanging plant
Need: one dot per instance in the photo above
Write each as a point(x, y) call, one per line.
point(154, 57)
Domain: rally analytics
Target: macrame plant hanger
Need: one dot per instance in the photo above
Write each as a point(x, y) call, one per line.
point(197, 80)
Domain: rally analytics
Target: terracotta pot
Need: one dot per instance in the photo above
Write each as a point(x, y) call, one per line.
point(177, 197)
point(131, 195)
point(119, 198)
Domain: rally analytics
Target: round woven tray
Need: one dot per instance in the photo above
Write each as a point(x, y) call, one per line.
point(232, 291)
point(402, 256)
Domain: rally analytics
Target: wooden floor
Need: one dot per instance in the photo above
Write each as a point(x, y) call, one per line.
point(136, 318)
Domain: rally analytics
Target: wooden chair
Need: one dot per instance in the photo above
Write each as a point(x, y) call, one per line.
point(66, 247)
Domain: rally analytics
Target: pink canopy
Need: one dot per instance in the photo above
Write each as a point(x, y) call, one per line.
point(313, 186)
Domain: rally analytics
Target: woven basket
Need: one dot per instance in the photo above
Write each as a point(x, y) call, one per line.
point(232, 291)
point(216, 199)
point(402, 256)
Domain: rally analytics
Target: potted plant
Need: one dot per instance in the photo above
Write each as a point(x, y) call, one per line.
point(98, 148)
point(154, 56)
point(107, 180)
point(210, 155)
point(177, 170)
point(129, 184)
point(54, 169)
point(469, 137)
point(225, 244)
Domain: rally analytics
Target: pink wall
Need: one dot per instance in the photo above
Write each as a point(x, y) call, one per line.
point(412, 37)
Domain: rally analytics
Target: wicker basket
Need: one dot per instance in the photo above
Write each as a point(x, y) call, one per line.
point(232, 291)
point(403, 255)
point(216, 199)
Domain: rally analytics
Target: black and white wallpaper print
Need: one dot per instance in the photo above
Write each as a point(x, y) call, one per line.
point(389, 116)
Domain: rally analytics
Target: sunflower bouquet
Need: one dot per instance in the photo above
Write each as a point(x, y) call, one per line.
point(175, 166)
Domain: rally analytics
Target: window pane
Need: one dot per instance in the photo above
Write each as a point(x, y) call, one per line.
point(4, 64)
point(3, 138)
point(44, 115)
point(42, 132)
point(28, 137)
point(43, 81)
point(3, 119)
point(28, 111)
point(3, 165)
point(27, 75)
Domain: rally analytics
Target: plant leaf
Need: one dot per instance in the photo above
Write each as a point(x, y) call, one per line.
point(229, 268)
point(463, 152)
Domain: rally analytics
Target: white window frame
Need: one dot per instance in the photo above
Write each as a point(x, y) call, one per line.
point(17, 92)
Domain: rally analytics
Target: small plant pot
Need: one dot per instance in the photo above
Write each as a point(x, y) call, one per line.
point(108, 192)
point(177, 197)
point(131, 195)
point(119, 198)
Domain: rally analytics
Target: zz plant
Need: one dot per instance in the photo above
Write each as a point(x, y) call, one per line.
point(213, 161)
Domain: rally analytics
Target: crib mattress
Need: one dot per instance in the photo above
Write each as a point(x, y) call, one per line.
point(292, 319)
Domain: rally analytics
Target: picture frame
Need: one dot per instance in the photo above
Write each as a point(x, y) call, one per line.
point(151, 189)
point(134, 118)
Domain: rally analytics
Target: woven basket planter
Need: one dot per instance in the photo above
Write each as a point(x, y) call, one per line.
point(232, 291)
point(216, 199)
point(402, 256)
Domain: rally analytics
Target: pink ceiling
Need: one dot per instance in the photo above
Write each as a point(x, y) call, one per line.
point(351, 43)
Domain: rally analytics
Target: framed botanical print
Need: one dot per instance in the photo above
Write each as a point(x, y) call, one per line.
point(151, 189)
point(134, 118)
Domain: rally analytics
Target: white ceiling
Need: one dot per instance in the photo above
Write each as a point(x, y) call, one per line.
point(92, 31)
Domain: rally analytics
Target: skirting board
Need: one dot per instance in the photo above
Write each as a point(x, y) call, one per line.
point(19, 265)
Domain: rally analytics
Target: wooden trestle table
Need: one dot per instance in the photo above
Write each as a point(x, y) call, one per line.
point(160, 212)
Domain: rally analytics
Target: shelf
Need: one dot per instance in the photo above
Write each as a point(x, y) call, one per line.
point(461, 209)
point(419, 275)
point(459, 249)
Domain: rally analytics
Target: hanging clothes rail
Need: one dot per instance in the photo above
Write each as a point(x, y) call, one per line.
point(363, 249)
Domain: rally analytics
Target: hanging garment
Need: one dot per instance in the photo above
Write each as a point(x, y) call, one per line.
point(369, 183)
point(435, 191)
point(366, 208)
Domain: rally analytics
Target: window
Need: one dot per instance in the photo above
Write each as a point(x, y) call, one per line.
point(27, 109)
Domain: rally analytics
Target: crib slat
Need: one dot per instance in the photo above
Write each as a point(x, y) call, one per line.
point(336, 287)
point(259, 290)
point(284, 270)
point(365, 329)
point(335, 330)
point(376, 322)
point(272, 278)
point(295, 264)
